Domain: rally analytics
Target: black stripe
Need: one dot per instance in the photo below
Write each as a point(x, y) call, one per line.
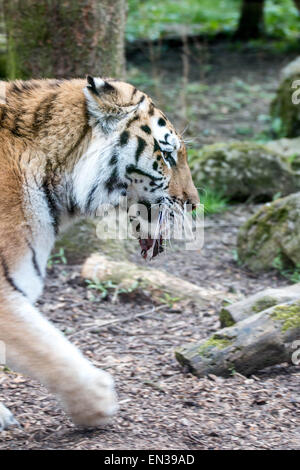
point(34, 262)
point(146, 129)
point(8, 278)
point(54, 83)
point(52, 206)
point(170, 160)
point(16, 87)
point(122, 185)
point(132, 120)
point(112, 181)
point(25, 86)
point(71, 201)
point(43, 114)
point(3, 112)
point(114, 158)
point(80, 138)
point(156, 146)
point(17, 122)
point(90, 197)
point(71, 206)
point(124, 137)
point(156, 187)
point(140, 148)
point(151, 109)
point(134, 169)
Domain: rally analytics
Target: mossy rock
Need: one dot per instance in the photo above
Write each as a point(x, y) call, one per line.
point(283, 109)
point(80, 240)
point(290, 149)
point(272, 233)
point(242, 170)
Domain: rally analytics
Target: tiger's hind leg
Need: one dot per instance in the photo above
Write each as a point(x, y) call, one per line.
point(7, 419)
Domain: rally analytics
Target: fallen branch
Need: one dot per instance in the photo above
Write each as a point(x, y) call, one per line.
point(97, 324)
point(267, 298)
point(161, 286)
point(262, 340)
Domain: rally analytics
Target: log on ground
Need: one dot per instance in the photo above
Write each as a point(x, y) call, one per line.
point(262, 340)
point(161, 286)
point(256, 303)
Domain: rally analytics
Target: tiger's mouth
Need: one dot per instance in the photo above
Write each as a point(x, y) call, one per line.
point(155, 245)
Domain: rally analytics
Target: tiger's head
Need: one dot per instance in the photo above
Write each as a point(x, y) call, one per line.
point(147, 158)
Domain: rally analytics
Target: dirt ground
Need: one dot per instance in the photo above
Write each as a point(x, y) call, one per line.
point(163, 406)
point(214, 92)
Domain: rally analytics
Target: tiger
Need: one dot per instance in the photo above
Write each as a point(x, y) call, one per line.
point(66, 148)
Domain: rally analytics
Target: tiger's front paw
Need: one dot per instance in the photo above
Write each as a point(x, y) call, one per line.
point(95, 403)
point(7, 419)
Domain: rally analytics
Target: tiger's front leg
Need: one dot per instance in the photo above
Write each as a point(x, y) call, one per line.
point(6, 418)
point(35, 347)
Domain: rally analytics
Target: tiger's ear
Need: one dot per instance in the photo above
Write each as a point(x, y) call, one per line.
point(105, 109)
point(98, 86)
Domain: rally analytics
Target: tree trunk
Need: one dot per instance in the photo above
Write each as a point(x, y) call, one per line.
point(251, 22)
point(262, 340)
point(63, 39)
point(297, 5)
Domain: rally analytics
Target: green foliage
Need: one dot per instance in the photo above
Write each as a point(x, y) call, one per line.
point(292, 158)
point(292, 273)
point(276, 126)
point(243, 130)
point(236, 258)
point(107, 287)
point(169, 300)
point(151, 19)
point(214, 201)
point(276, 196)
point(282, 20)
point(57, 258)
point(102, 287)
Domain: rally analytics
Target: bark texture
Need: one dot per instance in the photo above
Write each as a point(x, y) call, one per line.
point(161, 286)
point(256, 303)
point(251, 22)
point(70, 38)
point(263, 340)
